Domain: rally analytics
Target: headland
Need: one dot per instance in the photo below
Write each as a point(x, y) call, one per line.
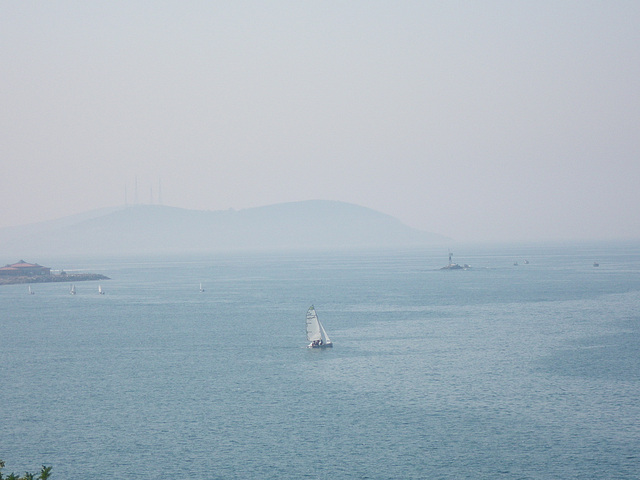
point(23, 272)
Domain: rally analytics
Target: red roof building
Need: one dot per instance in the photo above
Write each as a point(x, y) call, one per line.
point(24, 269)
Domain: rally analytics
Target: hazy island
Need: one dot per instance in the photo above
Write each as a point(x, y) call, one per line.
point(23, 272)
point(159, 229)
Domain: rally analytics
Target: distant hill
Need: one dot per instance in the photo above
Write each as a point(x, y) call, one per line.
point(310, 224)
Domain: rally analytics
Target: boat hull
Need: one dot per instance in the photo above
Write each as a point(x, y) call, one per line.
point(328, 345)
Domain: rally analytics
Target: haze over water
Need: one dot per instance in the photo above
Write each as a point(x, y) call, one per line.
point(478, 121)
point(482, 122)
point(500, 371)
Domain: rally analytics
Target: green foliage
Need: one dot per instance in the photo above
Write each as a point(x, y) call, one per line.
point(45, 473)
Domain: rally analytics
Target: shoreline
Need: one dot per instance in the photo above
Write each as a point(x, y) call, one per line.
point(73, 277)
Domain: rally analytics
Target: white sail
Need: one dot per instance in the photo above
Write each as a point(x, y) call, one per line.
point(30, 291)
point(327, 340)
point(316, 333)
point(73, 290)
point(100, 291)
point(313, 325)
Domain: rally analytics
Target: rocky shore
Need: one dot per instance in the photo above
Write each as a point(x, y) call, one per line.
point(67, 277)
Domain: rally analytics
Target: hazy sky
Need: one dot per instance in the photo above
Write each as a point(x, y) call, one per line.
point(492, 120)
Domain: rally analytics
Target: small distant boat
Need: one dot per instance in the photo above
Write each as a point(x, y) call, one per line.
point(596, 264)
point(515, 264)
point(73, 290)
point(100, 291)
point(316, 333)
point(201, 289)
point(526, 262)
point(31, 292)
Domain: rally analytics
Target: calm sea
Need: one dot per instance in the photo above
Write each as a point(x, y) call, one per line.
point(500, 371)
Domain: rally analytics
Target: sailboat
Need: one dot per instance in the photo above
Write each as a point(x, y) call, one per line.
point(201, 289)
point(100, 291)
point(31, 292)
point(73, 290)
point(316, 333)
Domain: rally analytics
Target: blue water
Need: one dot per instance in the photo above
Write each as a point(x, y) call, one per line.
point(501, 371)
